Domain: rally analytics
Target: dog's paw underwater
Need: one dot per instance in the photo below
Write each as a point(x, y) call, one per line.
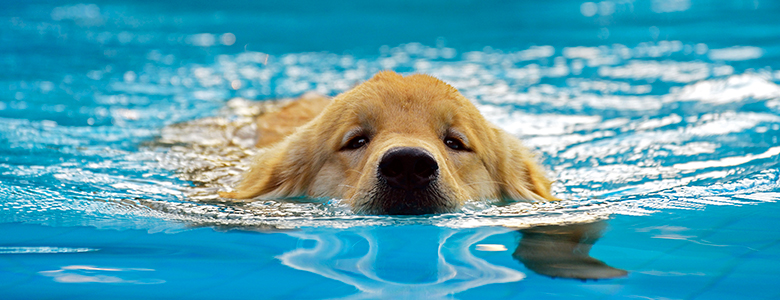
point(391, 145)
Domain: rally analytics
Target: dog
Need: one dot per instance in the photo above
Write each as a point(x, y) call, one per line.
point(397, 145)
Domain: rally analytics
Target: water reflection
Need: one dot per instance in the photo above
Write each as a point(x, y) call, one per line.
point(93, 274)
point(437, 261)
point(563, 251)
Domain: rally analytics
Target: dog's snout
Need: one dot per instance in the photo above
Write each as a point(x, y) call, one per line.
point(408, 168)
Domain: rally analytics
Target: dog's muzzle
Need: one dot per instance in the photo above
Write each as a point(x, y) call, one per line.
point(408, 183)
point(408, 168)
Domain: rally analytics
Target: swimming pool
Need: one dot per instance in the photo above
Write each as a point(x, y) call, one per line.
point(658, 119)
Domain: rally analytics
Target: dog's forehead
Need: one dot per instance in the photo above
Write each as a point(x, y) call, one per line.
point(416, 99)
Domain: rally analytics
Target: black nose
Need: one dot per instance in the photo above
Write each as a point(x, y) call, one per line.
point(408, 168)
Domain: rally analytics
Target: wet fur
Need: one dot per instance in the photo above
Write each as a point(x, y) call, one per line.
point(394, 111)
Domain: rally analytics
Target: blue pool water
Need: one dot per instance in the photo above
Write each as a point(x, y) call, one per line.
point(658, 119)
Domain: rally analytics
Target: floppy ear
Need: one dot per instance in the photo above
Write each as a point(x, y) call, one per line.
point(282, 171)
point(520, 176)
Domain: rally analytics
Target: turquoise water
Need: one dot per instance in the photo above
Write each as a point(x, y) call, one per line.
point(658, 119)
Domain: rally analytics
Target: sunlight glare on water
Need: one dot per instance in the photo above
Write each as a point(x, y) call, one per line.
point(645, 130)
point(121, 120)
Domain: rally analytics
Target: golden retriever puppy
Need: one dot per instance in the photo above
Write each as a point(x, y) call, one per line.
point(391, 145)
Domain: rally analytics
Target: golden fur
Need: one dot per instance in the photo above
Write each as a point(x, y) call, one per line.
point(325, 156)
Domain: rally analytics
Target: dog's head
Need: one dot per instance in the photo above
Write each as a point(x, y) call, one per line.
point(398, 145)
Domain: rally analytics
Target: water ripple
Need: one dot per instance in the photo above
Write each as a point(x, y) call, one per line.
point(625, 130)
point(43, 250)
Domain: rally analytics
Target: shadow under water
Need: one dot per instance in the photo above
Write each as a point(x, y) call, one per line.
point(564, 251)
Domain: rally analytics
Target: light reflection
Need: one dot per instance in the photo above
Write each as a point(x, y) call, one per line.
point(92, 274)
point(40, 250)
point(731, 89)
point(668, 6)
point(736, 53)
point(202, 39)
point(585, 108)
point(440, 262)
point(82, 14)
point(490, 247)
point(728, 161)
point(627, 164)
point(489, 75)
point(227, 39)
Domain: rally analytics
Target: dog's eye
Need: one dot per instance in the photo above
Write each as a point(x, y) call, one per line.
point(454, 144)
point(356, 142)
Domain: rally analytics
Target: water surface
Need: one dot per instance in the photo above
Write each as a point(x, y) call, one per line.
point(660, 117)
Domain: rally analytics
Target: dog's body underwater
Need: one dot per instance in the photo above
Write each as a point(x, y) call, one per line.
point(392, 145)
